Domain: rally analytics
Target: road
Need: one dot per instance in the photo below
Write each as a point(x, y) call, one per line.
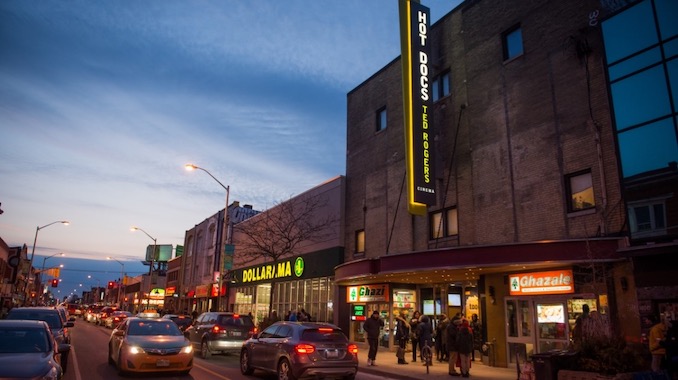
point(88, 361)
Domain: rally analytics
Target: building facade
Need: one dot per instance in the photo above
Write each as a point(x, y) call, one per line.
point(529, 221)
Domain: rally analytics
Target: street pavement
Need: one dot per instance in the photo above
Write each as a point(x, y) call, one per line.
point(388, 367)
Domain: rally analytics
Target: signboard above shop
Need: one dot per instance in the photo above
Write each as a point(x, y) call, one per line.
point(367, 293)
point(536, 283)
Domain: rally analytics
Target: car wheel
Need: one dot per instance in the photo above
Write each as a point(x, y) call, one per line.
point(349, 377)
point(64, 362)
point(110, 356)
point(118, 366)
point(245, 367)
point(285, 370)
point(205, 350)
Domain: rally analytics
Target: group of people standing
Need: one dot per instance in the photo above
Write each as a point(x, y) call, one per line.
point(455, 340)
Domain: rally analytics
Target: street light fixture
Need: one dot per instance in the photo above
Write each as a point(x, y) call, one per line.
point(150, 270)
point(227, 220)
point(35, 240)
point(122, 280)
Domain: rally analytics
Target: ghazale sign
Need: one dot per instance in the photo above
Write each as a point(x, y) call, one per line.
point(551, 282)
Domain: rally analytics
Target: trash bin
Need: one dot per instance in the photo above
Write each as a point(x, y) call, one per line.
point(488, 354)
point(547, 364)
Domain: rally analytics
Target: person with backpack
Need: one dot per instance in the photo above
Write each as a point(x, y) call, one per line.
point(451, 332)
point(425, 334)
point(465, 346)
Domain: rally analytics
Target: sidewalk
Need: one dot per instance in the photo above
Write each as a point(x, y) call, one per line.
point(388, 367)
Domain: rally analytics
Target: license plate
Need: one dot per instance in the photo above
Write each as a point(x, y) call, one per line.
point(235, 333)
point(332, 353)
point(162, 363)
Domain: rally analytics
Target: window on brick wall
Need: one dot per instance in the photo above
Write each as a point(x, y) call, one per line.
point(580, 191)
point(360, 242)
point(443, 223)
point(381, 119)
point(647, 218)
point(512, 41)
point(441, 86)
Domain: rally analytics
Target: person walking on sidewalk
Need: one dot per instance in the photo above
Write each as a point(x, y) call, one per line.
point(402, 336)
point(425, 333)
point(372, 327)
point(413, 333)
point(452, 330)
point(465, 346)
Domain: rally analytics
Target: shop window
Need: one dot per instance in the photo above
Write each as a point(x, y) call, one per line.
point(444, 223)
point(580, 191)
point(381, 119)
point(512, 41)
point(647, 219)
point(441, 86)
point(360, 242)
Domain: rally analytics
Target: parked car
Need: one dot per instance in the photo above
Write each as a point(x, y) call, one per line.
point(183, 321)
point(219, 332)
point(301, 349)
point(103, 314)
point(28, 350)
point(116, 317)
point(149, 345)
point(53, 319)
point(91, 313)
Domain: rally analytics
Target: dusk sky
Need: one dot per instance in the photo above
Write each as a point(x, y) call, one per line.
point(103, 102)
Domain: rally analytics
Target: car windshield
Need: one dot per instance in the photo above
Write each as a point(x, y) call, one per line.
point(52, 319)
point(154, 328)
point(23, 340)
point(233, 320)
point(324, 335)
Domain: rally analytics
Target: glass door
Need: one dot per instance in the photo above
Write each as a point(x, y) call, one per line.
point(553, 331)
point(520, 329)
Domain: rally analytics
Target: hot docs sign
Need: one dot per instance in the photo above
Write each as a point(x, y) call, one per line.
point(536, 283)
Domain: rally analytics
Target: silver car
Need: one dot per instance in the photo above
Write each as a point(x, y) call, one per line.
point(219, 332)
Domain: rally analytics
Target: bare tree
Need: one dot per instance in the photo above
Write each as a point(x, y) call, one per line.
point(289, 228)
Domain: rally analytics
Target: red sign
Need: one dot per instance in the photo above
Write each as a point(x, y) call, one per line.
point(551, 282)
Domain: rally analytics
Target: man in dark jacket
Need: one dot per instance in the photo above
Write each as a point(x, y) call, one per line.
point(452, 330)
point(372, 327)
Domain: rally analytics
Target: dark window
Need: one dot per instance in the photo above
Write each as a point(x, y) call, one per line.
point(441, 86)
point(647, 218)
point(513, 42)
point(324, 335)
point(580, 191)
point(381, 119)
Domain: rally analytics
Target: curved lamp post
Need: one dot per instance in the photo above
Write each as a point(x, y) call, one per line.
point(150, 270)
point(226, 235)
point(122, 280)
point(43, 264)
point(35, 240)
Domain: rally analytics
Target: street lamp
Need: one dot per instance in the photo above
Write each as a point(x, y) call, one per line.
point(150, 270)
point(45, 259)
point(226, 235)
point(35, 240)
point(122, 280)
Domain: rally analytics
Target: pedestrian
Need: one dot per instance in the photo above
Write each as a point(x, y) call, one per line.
point(671, 345)
point(425, 334)
point(452, 329)
point(372, 327)
point(465, 346)
point(413, 334)
point(441, 338)
point(293, 316)
point(657, 342)
point(476, 326)
point(402, 336)
point(577, 332)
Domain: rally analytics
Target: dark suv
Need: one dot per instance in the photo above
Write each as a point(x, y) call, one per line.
point(219, 332)
point(53, 319)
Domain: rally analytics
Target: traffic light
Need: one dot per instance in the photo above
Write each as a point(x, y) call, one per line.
point(111, 284)
point(55, 282)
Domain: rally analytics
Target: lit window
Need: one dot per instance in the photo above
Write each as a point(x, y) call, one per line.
point(360, 241)
point(381, 119)
point(444, 223)
point(513, 42)
point(441, 86)
point(647, 219)
point(580, 192)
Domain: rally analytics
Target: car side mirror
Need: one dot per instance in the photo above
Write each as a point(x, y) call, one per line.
point(63, 348)
point(69, 324)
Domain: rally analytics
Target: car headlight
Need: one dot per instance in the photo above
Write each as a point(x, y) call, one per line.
point(136, 350)
point(187, 350)
point(53, 374)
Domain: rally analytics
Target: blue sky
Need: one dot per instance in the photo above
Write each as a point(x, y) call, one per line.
point(103, 102)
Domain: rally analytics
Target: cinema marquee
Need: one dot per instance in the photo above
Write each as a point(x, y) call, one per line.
point(417, 110)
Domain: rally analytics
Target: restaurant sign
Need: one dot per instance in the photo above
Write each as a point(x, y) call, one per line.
point(537, 283)
point(367, 293)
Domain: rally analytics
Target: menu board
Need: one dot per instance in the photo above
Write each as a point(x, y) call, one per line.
point(550, 313)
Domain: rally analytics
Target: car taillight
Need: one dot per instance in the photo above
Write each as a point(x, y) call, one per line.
point(304, 349)
point(116, 319)
point(353, 349)
point(325, 329)
point(216, 329)
point(253, 331)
